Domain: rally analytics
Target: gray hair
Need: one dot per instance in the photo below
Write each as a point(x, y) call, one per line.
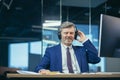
point(66, 24)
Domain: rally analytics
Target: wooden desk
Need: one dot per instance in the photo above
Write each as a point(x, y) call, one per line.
point(67, 76)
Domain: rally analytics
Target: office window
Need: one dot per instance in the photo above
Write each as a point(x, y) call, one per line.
point(35, 47)
point(18, 55)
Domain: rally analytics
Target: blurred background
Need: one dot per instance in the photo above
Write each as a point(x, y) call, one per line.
point(28, 27)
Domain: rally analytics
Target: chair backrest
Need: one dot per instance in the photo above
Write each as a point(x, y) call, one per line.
point(7, 69)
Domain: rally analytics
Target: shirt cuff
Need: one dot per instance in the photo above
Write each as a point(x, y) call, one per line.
point(84, 40)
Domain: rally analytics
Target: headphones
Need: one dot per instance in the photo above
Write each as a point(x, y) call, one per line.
point(59, 33)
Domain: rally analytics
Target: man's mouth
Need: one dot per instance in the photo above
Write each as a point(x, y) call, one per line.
point(68, 39)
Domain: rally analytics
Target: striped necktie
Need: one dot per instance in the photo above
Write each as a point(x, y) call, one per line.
point(69, 63)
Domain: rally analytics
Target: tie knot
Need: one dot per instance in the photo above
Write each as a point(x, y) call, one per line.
point(67, 48)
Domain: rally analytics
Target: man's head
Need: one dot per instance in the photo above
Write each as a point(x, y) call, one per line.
point(67, 33)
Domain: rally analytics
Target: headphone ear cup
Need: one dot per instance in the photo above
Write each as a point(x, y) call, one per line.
point(59, 35)
point(76, 33)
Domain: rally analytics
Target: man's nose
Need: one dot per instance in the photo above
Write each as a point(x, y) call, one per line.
point(68, 34)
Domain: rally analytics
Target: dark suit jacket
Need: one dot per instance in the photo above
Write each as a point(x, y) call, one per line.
point(52, 59)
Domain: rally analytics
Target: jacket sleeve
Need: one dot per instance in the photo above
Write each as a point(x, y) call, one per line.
point(44, 63)
point(91, 52)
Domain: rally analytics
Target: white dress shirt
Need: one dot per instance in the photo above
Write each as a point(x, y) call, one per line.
point(75, 65)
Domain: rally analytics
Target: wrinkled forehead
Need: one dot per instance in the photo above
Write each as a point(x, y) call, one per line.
point(70, 29)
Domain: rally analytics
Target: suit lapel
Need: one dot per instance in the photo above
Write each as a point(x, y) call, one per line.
point(59, 57)
point(78, 56)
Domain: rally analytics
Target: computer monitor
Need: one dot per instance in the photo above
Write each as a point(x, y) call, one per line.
point(109, 38)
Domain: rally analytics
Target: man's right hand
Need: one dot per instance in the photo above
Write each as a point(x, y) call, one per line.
point(45, 72)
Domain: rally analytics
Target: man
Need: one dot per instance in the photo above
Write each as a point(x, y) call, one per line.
point(56, 57)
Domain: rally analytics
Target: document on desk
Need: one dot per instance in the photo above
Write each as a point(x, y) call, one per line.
point(98, 73)
point(27, 72)
point(34, 73)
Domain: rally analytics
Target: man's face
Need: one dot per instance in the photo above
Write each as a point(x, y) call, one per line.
point(67, 35)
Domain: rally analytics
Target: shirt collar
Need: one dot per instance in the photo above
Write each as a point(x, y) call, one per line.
point(70, 47)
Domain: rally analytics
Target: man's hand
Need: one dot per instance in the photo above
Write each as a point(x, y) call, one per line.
point(82, 36)
point(48, 72)
point(45, 72)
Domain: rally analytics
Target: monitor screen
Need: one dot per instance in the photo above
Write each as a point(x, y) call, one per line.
point(109, 38)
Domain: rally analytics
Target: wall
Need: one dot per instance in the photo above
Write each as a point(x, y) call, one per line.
point(3, 53)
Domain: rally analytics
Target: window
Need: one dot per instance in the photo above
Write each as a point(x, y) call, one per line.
point(35, 47)
point(18, 55)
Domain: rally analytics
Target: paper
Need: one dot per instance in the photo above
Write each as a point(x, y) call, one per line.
point(27, 72)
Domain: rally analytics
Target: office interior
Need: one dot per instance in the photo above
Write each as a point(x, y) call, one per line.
point(28, 27)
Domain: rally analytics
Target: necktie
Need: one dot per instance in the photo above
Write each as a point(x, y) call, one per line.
point(69, 63)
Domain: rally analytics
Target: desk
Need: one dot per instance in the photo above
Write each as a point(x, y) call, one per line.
point(88, 76)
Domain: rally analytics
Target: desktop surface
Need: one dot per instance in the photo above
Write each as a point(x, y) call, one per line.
point(83, 75)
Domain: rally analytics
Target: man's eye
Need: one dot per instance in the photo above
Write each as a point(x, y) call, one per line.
point(72, 33)
point(65, 33)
